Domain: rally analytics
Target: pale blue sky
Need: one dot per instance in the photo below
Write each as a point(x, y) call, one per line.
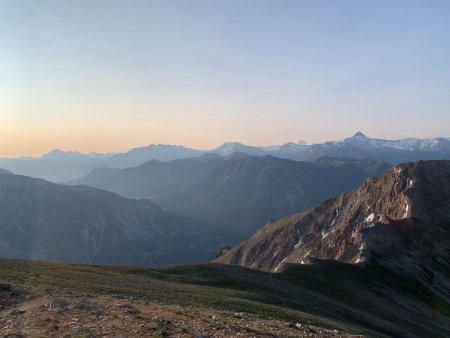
point(108, 75)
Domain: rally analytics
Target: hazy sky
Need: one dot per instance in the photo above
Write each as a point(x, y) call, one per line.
point(110, 75)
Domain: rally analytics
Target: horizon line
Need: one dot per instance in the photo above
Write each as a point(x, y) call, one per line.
point(125, 150)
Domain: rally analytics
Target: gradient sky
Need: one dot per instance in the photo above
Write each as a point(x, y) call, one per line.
point(110, 75)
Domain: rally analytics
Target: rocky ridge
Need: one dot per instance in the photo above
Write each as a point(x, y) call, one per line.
point(401, 219)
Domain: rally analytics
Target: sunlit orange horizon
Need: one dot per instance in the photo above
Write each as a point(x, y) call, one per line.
point(76, 79)
point(36, 139)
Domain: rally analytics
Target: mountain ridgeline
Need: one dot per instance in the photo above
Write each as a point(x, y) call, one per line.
point(239, 192)
point(391, 151)
point(400, 220)
point(62, 166)
point(358, 146)
point(42, 220)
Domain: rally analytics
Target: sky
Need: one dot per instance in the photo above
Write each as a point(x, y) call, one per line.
point(97, 75)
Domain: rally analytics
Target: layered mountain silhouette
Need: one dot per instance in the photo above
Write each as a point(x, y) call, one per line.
point(400, 220)
point(239, 192)
point(42, 220)
point(60, 166)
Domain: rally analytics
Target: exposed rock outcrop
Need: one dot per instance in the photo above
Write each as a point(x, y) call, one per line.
point(401, 219)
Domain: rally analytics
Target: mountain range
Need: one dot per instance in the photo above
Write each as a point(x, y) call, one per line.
point(60, 166)
point(238, 192)
point(373, 262)
point(43, 220)
point(358, 146)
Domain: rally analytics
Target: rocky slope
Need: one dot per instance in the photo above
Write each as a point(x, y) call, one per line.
point(401, 220)
point(42, 220)
point(239, 192)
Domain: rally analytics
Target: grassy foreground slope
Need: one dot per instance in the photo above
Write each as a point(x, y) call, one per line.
point(219, 300)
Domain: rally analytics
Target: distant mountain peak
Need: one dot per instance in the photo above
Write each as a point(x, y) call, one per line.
point(55, 152)
point(228, 148)
point(232, 143)
point(163, 145)
point(358, 134)
point(58, 153)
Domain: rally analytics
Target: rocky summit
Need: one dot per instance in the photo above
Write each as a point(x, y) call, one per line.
point(400, 220)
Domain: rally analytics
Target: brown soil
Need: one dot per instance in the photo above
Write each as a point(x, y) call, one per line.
point(110, 317)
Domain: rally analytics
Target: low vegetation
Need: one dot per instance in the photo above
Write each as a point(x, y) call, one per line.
point(322, 299)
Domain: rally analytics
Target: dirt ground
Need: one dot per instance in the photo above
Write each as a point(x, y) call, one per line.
point(70, 316)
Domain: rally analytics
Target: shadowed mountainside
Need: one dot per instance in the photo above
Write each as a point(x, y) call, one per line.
point(42, 220)
point(240, 192)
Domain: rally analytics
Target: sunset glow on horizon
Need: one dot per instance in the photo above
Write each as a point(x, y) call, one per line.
point(109, 76)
